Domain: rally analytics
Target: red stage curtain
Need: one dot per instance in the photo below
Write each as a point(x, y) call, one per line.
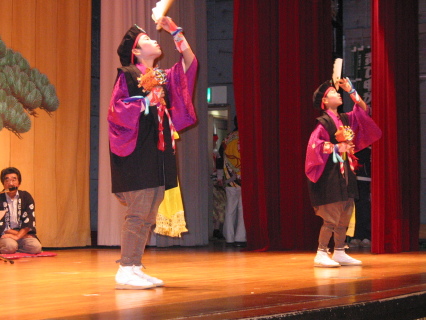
point(395, 103)
point(282, 53)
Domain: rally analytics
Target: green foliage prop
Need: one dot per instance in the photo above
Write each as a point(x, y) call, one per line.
point(22, 90)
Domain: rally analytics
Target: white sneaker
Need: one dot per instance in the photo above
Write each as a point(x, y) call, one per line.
point(365, 243)
point(322, 260)
point(155, 281)
point(343, 259)
point(127, 278)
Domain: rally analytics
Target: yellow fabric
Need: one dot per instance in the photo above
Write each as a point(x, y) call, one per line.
point(53, 157)
point(351, 228)
point(233, 155)
point(232, 159)
point(170, 217)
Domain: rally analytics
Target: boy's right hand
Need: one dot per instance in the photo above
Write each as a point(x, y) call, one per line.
point(345, 147)
point(167, 24)
point(345, 84)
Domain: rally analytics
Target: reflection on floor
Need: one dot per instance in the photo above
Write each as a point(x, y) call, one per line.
point(215, 282)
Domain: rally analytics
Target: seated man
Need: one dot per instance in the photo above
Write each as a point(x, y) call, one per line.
point(17, 216)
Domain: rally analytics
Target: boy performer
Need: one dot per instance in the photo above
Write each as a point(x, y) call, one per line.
point(330, 166)
point(141, 135)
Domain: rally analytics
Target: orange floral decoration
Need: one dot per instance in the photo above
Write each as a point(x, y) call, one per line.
point(152, 78)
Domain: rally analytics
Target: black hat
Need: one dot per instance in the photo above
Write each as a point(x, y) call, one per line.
point(127, 44)
point(319, 93)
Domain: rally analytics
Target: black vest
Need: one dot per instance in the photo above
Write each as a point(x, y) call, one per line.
point(332, 186)
point(146, 167)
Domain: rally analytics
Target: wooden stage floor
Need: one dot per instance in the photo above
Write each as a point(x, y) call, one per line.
point(215, 282)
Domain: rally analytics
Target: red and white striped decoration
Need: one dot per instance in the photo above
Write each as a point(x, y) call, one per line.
point(161, 144)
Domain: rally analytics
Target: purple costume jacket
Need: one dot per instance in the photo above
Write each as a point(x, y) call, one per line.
point(123, 117)
point(136, 162)
point(366, 132)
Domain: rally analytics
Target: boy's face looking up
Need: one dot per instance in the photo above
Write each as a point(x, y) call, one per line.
point(147, 48)
point(332, 100)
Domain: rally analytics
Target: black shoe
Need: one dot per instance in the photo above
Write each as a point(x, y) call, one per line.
point(230, 244)
point(218, 235)
point(240, 244)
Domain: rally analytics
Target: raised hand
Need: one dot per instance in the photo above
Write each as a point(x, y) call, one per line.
point(167, 24)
